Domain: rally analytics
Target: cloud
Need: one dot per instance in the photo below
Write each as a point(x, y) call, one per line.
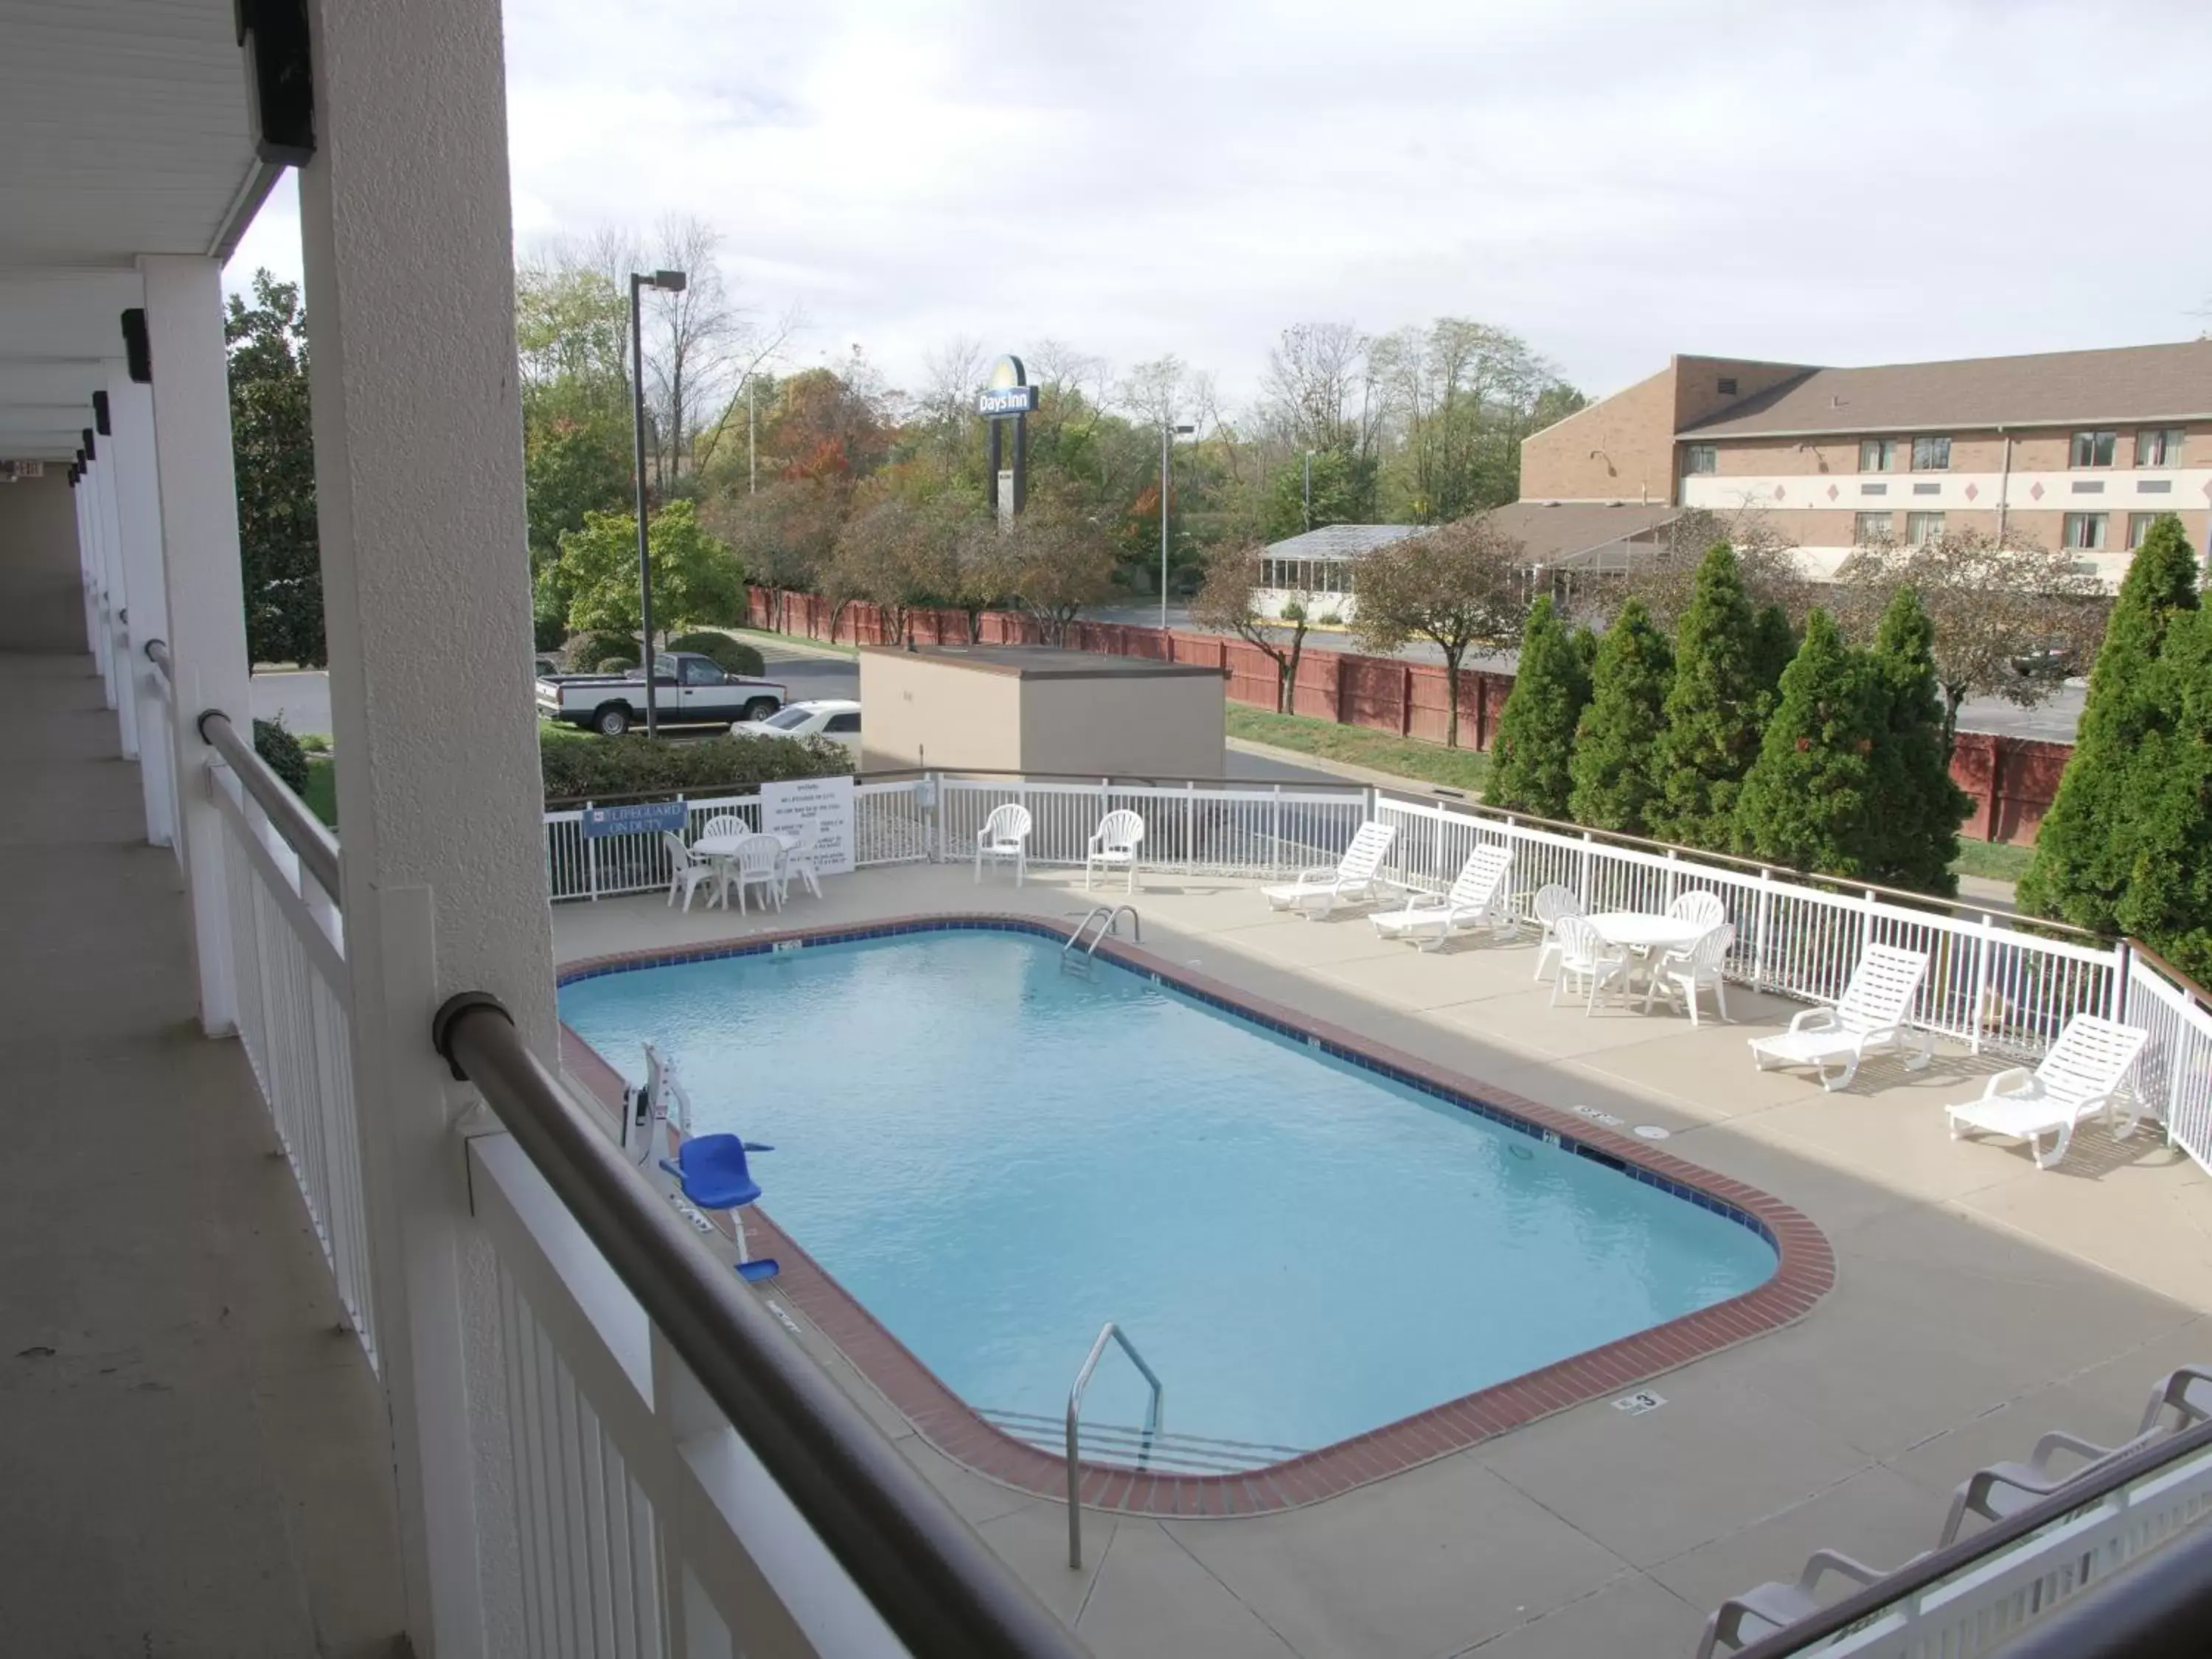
point(1615, 180)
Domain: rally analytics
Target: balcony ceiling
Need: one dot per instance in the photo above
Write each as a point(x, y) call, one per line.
point(122, 131)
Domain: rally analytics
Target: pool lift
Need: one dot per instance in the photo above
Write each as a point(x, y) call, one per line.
point(711, 1171)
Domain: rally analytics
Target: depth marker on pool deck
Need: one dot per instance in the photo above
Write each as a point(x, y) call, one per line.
point(1641, 1402)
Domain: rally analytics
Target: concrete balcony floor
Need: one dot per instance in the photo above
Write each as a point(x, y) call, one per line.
point(1977, 1304)
point(193, 1450)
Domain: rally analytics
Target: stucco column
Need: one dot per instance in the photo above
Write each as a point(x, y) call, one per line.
point(88, 580)
point(119, 595)
point(104, 598)
point(138, 521)
point(410, 292)
point(199, 496)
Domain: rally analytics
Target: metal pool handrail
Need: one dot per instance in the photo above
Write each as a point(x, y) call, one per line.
point(1108, 916)
point(1110, 1330)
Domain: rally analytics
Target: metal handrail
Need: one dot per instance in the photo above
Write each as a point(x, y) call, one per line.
point(1937, 1566)
point(934, 1580)
point(1113, 1332)
point(298, 829)
point(1111, 924)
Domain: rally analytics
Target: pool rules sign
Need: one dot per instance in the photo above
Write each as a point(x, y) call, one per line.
point(816, 810)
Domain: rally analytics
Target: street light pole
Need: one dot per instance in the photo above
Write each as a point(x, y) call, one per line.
point(1308, 496)
point(1168, 431)
point(752, 458)
point(669, 282)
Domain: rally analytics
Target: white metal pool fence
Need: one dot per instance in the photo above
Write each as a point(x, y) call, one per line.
point(1992, 982)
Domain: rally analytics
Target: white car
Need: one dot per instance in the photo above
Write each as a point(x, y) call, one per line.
point(836, 720)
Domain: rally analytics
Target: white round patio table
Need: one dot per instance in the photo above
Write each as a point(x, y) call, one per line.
point(719, 849)
point(1635, 930)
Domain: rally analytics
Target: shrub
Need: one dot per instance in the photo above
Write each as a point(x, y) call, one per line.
point(1714, 708)
point(282, 753)
point(614, 665)
point(2085, 850)
point(548, 629)
point(1810, 802)
point(1537, 728)
point(578, 767)
point(1612, 766)
point(2168, 900)
point(585, 652)
point(731, 656)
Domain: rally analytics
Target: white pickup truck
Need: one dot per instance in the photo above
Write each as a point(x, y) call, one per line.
point(688, 690)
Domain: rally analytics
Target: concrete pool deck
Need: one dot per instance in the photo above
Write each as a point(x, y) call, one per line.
point(1977, 1302)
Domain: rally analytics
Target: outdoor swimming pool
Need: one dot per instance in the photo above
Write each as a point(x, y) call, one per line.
point(994, 1157)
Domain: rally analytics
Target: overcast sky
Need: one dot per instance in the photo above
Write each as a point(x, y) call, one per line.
point(1614, 179)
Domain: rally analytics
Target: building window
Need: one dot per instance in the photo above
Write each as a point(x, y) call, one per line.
point(1931, 454)
point(1701, 458)
point(2139, 525)
point(1727, 385)
point(1878, 455)
point(2086, 530)
point(1868, 528)
point(2095, 448)
point(2159, 445)
point(1922, 528)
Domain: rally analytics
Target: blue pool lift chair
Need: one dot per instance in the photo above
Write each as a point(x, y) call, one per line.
point(711, 1170)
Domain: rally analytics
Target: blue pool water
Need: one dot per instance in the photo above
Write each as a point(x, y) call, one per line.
point(994, 1157)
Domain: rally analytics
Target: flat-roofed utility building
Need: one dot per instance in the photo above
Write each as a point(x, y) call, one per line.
point(1029, 708)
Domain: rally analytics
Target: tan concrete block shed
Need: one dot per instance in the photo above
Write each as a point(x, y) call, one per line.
point(1030, 709)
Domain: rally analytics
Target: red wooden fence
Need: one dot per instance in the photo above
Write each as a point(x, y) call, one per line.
point(2012, 780)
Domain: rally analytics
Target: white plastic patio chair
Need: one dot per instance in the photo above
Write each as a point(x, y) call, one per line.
point(799, 861)
point(1355, 878)
point(686, 869)
point(2083, 1073)
point(1477, 899)
point(1551, 902)
point(1004, 839)
point(756, 862)
point(1778, 1606)
point(1701, 966)
point(1871, 1018)
point(1700, 905)
point(725, 825)
point(1113, 847)
point(1584, 954)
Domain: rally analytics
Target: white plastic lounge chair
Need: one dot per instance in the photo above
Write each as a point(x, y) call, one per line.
point(2081, 1074)
point(758, 862)
point(1004, 839)
point(1699, 904)
point(1553, 902)
point(1778, 1605)
point(686, 869)
point(1583, 954)
point(1477, 899)
point(1113, 847)
point(1870, 1019)
point(1697, 966)
point(1355, 878)
point(2004, 1488)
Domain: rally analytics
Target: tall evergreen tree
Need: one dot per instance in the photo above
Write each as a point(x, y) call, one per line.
point(1528, 762)
point(1611, 768)
point(1714, 710)
point(1810, 801)
point(273, 445)
point(1773, 642)
point(2085, 851)
point(2167, 901)
point(1919, 807)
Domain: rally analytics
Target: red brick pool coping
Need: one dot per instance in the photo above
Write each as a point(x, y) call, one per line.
point(1806, 1272)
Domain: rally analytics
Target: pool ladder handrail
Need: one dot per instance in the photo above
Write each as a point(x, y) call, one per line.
point(1112, 1332)
point(1108, 918)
